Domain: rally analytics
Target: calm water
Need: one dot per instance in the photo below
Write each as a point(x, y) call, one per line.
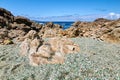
point(64, 24)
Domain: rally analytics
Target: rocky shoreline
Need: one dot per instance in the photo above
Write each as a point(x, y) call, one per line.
point(12, 27)
point(41, 52)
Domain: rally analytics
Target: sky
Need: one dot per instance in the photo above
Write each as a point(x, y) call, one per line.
point(50, 8)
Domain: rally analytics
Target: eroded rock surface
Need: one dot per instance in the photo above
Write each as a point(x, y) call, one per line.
point(52, 51)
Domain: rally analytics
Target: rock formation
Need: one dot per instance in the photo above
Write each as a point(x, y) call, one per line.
point(50, 30)
point(51, 52)
point(113, 36)
point(13, 28)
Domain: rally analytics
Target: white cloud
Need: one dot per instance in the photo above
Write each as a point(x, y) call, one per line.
point(118, 15)
point(114, 15)
point(91, 17)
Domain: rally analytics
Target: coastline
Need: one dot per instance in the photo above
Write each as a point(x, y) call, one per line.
point(98, 59)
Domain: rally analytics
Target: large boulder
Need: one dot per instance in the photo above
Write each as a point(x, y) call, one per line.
point(51, 52)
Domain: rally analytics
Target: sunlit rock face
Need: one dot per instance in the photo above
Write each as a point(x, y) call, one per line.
point(52, 51)
point(113, 36)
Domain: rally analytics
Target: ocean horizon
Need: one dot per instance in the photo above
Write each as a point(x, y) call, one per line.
point(65, 24)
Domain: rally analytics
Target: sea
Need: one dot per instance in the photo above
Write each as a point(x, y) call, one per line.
point(62, 23)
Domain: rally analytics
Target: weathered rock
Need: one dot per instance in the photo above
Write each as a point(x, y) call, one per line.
point(35, 44)
point(51, 52)
point(36, 60)
point(101, 20)
point(50, 30)
point(31, 35)
point(36, 26)
point(45, 51)
point(52, 25)
point(76, 23)
point(3, 33)
point(6, 14)
point(57, 58)
point(16, 33)
point(18, 27)
point(49, 24)
point(63, 45)
point(113, 36)
point(22, 20)
point(24, 47)
point(3, 22)
point(48, 33)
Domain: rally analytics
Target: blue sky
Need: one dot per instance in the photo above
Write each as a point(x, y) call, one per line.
point(47, 8)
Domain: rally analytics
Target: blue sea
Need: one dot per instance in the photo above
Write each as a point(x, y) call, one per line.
point(62, 23)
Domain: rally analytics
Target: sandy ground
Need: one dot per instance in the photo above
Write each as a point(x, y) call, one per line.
point(97, 60)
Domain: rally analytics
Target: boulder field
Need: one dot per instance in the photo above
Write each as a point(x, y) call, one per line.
point(15, 28)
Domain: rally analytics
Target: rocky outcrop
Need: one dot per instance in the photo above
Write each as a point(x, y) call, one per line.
point(51, 52)
point(4, 38)
point(112, 36)
point(50, 30)
point(18, 26)
point(15, 26)
point(6, 15)
point(21, 20)
point(97, 29)
point(101, 20)
point(3, 22)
